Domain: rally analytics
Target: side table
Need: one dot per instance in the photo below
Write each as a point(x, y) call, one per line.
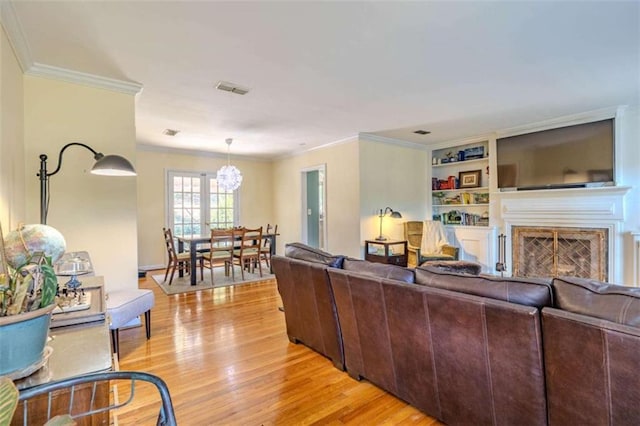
point(390, 252)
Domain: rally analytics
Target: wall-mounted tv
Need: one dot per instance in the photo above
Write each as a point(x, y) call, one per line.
point(573, 156)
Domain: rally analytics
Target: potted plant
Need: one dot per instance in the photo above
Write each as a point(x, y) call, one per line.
point(27, 298)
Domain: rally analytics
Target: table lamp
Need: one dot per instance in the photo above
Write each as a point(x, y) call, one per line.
point(382, 214)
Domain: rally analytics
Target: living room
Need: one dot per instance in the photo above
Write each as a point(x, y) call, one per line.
point(119, 221)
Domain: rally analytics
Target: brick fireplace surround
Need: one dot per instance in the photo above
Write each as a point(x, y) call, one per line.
point(584, 224)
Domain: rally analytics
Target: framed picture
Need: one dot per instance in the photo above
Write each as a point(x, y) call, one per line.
point(470, 179)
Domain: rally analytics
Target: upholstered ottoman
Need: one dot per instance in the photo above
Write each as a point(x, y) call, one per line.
point(458, 266)
point(123, 306)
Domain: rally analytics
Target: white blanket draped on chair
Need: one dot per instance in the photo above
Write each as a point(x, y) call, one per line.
point(433, 237)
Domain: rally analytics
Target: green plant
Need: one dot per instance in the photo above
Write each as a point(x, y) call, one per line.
point(29, 287)
point(8, 400)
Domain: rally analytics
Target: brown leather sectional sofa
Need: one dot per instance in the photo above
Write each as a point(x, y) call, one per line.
point(470, 349)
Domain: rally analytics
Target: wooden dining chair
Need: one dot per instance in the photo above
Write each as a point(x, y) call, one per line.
point(265, 250)
point(248, 253)
point(221, 252)
point(177, 261)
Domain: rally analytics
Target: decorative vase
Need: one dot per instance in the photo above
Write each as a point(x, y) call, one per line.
point(23, 339)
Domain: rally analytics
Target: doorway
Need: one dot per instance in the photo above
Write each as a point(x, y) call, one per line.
point(314, 230)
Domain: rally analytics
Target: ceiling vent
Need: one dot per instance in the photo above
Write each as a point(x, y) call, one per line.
point(170, 132)
point(422, 132)
point(231, 87)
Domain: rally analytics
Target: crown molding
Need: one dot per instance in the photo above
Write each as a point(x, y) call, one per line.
point(15, 34)
point(304, 151)
point(197, 153)
point(85, 79)
point(567, 120)
point(392, 141)
point(20, 45)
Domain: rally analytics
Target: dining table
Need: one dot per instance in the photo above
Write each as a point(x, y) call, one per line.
point(192, 242)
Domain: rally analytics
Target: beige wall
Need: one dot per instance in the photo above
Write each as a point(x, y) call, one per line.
point(12, 194)
point(393, 176)
point(255, 195)
point(342, 204)
point(94, 213)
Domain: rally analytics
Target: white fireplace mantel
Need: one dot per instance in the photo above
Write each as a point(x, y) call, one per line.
point(605, 203)
point(601, 207)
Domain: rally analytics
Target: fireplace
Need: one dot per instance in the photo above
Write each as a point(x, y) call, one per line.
point(564, 232)
point(557, 251)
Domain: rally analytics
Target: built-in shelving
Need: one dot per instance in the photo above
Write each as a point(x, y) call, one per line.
point(455, 202)
point(463, 163)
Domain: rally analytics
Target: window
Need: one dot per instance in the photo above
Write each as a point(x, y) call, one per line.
point(196, 204)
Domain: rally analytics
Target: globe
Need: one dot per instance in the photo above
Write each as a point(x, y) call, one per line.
point(22, 243)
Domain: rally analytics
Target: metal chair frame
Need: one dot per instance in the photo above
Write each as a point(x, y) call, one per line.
point(166, 415)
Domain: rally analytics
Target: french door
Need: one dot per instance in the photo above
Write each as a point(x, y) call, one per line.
point(196, 204)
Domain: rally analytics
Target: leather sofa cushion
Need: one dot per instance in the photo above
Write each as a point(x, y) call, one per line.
point(302, 251)
point(610, 302)
point(381, 270)
point(591, 369)
point(535, 292)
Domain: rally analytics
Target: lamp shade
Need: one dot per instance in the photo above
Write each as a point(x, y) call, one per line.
point(229, 178)
point(113, 165)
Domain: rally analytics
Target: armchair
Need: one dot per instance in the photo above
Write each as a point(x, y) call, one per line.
point(413, 231)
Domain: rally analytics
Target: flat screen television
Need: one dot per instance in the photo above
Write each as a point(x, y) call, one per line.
point(574, 156)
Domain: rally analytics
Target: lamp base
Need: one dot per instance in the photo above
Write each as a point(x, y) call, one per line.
point(381, 238)
point(73, 283)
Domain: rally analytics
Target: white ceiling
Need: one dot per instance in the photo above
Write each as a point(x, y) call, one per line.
point(321, 72)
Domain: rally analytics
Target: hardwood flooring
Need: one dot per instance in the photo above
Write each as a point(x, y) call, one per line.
point(226, 359)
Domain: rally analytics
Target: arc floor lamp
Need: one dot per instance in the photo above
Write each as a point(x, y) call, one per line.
point(107, 165)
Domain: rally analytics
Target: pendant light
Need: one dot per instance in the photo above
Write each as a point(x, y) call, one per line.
point(229, 177)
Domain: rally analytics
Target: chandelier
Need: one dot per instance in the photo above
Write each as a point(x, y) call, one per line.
point(229, 177)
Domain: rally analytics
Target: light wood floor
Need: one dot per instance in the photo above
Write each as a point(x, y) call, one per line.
point(226, 359)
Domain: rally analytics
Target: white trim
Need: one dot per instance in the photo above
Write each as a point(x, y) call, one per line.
point(636, 258)
point(315, 148)
point(571, 208)
point(568, 120)
point(148, 268)
point(392, 141)
point(465, 141)
point(303, 213)
point(204, 196)
point(20, 45)
point(15, 34)
point(85, 79)
point(197, 153)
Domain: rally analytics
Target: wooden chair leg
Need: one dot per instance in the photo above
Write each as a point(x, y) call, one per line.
point(166, 274)
point(173, 271)
point(147, 323)
point(233, 271)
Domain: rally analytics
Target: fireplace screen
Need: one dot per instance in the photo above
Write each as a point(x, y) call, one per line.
point(552, 252)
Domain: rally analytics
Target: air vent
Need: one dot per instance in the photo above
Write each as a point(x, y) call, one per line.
point(170, 132)
point(231, 87)
point(422, 132)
